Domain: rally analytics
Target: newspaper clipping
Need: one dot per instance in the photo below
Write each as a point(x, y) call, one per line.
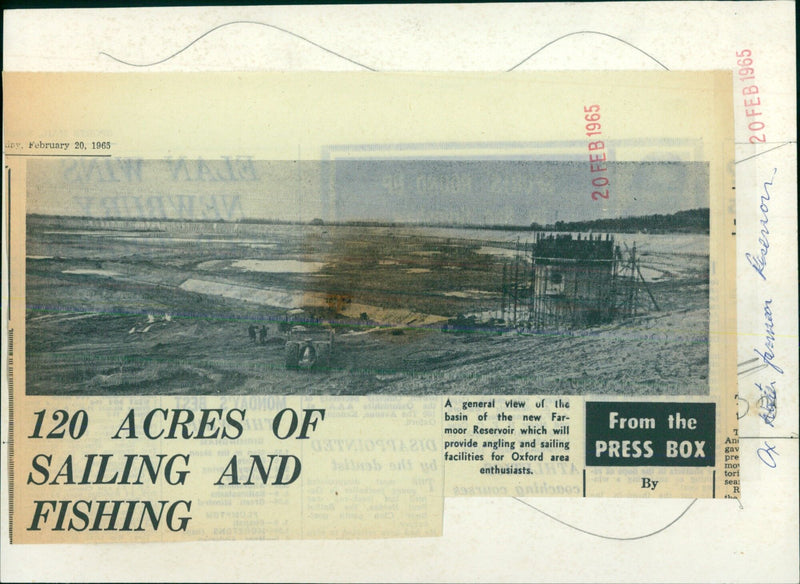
point(314, 305)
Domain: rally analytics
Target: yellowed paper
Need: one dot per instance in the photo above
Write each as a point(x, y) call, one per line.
point(328, 301)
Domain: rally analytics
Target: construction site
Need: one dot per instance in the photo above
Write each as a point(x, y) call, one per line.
point(133, 308)
point(565, 281)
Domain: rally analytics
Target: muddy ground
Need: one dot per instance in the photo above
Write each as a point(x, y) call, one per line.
point(111, 314)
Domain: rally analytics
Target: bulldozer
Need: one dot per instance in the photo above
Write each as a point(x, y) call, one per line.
point(307, 348)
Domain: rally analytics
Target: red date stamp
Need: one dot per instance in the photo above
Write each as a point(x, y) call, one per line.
point(751, 96)
point(597, 152)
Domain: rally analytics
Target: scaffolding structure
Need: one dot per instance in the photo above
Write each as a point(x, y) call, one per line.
point(562, 281)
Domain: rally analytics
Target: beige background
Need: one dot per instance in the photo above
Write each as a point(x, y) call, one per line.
point(734, 539)
point(274, 116)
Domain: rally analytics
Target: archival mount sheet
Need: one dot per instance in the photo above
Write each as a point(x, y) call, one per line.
point(313, 305)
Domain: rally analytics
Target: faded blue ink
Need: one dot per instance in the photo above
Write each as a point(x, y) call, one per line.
point(767, 454)
point(768, 403)
point(769, 340)
point(759, 261)
point(227, 170)
point(103, 170)
point(216, 207)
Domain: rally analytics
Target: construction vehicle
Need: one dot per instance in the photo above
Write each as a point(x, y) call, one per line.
point(308, 347)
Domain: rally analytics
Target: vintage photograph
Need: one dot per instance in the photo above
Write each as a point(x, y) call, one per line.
point(362, 276)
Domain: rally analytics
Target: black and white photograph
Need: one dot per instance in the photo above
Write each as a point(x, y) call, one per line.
point(367, 275)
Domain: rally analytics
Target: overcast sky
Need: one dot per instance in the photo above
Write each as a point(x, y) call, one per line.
point(515, 192)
